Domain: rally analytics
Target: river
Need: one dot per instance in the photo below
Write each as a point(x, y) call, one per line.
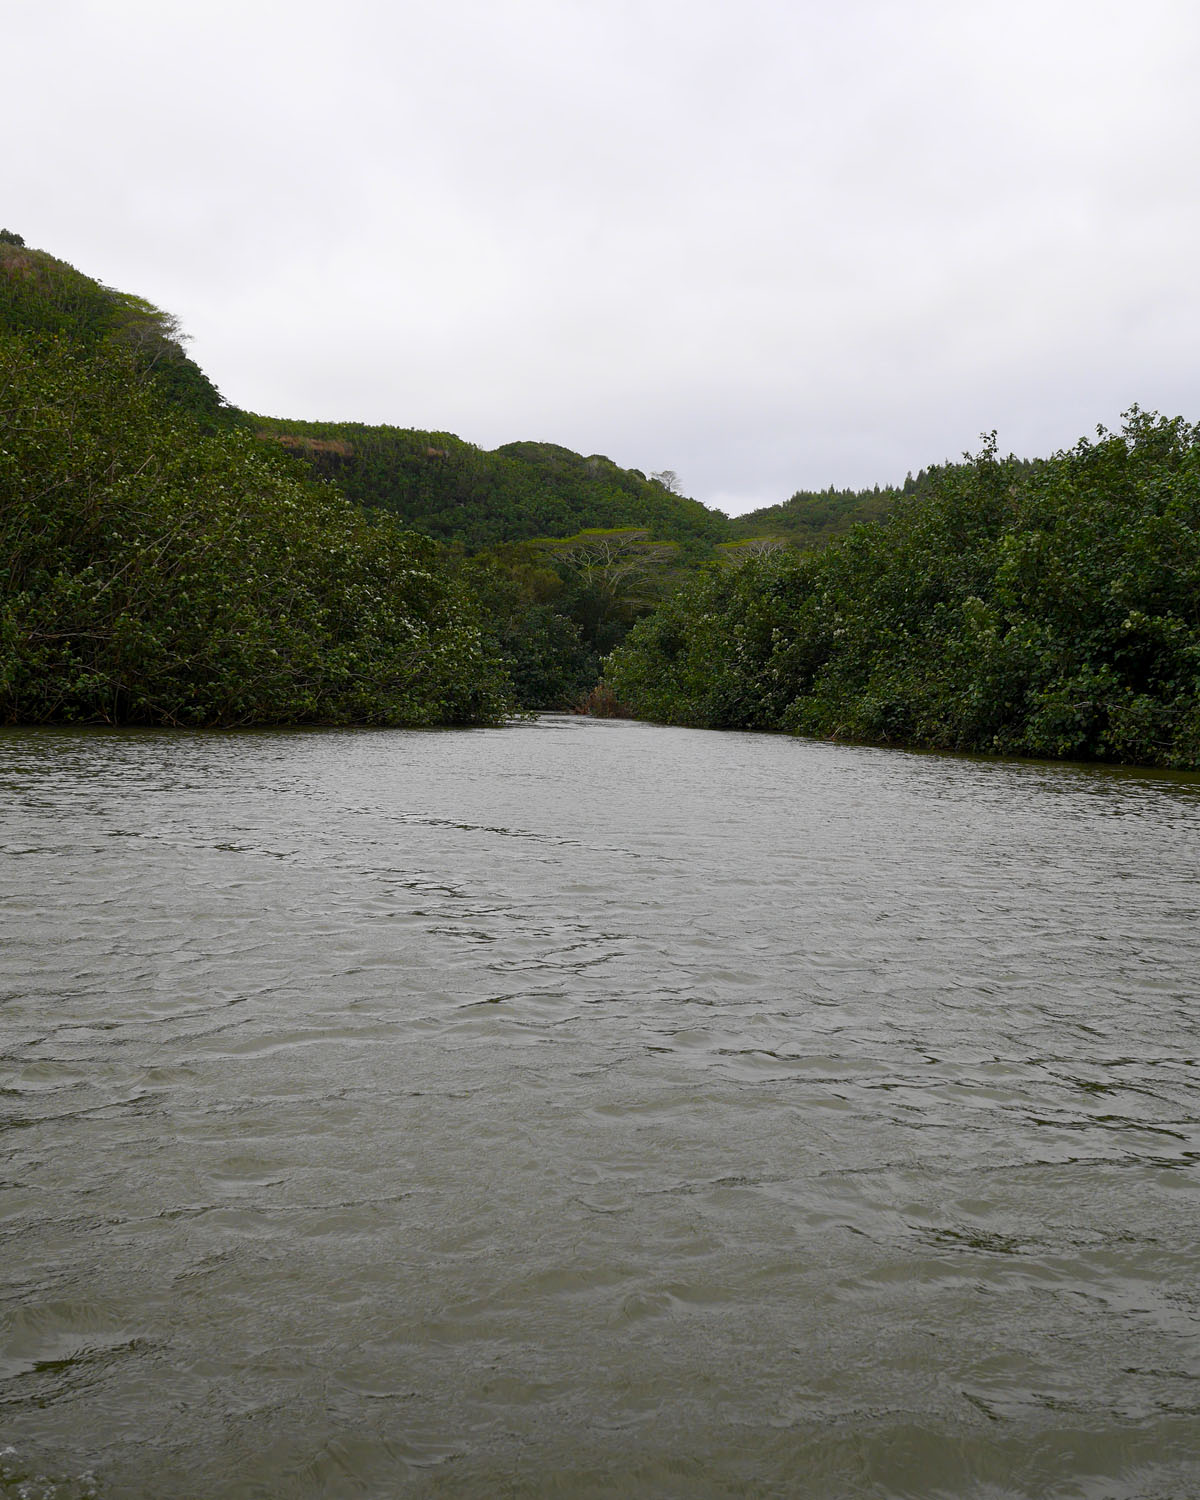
point(591, 1109)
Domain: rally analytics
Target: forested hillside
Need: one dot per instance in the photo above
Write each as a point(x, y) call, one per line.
point(562, 553)
point(1048, 609)
point(162, 566)
point(170, 560)
point(810, 519)
point(457, 492)
point(44, 296)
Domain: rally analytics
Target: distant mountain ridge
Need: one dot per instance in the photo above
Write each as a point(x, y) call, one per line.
point(453, 490)
point(435, 482)
point(813, 518)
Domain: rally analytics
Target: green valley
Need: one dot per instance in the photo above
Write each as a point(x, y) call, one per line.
point(172, 560)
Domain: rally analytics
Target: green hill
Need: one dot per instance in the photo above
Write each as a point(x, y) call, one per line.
point(162, 566)
point(812, 518)
point(562, 552)
point(454, 491)
point(42, 295)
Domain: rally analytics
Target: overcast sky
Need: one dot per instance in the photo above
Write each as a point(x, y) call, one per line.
point(770, 244)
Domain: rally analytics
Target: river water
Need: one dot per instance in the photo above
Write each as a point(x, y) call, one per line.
point(593, 1109)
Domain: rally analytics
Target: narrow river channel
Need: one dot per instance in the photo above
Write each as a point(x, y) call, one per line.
point(590, 1109)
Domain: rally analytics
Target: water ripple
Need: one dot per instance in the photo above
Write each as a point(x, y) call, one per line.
point(593, 1108)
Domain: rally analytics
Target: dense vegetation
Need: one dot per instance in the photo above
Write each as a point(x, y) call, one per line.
point(563, 553)
point(459, 493)
point(170, 560)
point(1048, 609)
point(813, 518)
point(42, 295)
point(162, 566)
point(556, 607)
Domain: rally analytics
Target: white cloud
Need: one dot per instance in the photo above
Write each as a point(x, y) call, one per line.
point(773, 246)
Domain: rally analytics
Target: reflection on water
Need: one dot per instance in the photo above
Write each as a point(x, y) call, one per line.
point(593, 1109)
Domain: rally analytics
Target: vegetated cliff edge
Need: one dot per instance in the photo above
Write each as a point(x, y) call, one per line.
point(163, 566)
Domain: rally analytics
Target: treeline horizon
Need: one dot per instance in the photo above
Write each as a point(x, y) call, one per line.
point(172, 559)
point(1047, 609)
point(162, 566)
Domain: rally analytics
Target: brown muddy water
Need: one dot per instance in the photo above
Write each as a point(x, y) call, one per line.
point(591, 1109)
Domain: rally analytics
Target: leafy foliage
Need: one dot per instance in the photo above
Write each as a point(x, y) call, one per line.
point(813, 518)
point(1048, 609)
point(558, 605)
point(558, 548)
point(163, 565)
point(459, 493)
point(39, 294)
point(160, 571)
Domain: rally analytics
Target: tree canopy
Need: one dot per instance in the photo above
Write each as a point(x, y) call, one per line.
point(170, 560)
point(1048, 609)
point(449, 489)
point(162, 566)
point(39, 294)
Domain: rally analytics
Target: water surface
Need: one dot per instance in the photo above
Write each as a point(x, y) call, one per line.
point(594, 1109)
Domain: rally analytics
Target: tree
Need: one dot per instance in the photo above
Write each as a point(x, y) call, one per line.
point(153, 571)
point(611, 577)
point(1049, 609)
